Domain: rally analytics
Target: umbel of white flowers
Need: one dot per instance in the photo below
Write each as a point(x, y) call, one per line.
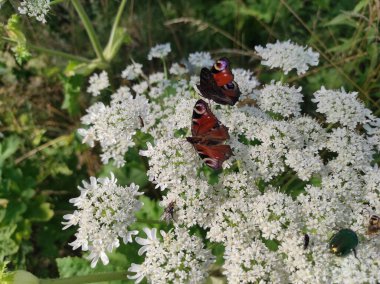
point(35, 8)
point(104, 212)
point(260, 225)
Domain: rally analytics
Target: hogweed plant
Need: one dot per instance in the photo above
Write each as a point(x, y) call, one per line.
point(293, 176)
point(297, 202)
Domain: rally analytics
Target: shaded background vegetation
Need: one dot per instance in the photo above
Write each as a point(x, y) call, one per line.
point(42, 160)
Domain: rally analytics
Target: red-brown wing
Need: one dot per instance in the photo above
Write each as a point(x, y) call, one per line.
point(213, 155)
point(231, 91)
point(210, 90)
point(205, 126)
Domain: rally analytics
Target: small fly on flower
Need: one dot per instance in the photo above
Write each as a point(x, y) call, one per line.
point(343, 242)
point(168, 215)
point(141, 121)
point(306, 240)
point(373, 227)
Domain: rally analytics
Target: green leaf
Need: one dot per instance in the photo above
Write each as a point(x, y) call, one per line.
point(342, 19)
point(8, 147)
point(15, 33)
point(71, 89)
point(75, 266)
point(40, 212)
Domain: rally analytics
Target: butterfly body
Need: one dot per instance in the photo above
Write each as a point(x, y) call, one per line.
point(208, 134)
point(218, 83)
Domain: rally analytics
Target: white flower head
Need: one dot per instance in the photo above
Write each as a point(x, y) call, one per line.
point(281, 99)
point(287, 56)
point(159, 51)
point(115, 125)
point(98, 82)
point(178, 69)
point(201, 59)
point(132, 72)
point(341, 107)
point(35, 8)
point(104, 211)
point(179, 258)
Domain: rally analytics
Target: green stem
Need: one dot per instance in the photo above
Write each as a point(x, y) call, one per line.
point(117, 20)
point(146, 221)
point(92, 278)
point(50, 51)
point(56, 2)
point(89, 29)
point(165, 69)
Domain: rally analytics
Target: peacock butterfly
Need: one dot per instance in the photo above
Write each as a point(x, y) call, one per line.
point(218, 83)
point(208, 136)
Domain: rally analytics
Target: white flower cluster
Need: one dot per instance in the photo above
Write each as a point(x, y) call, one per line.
point(179, 258)
point(287, 56)
point(159, 51)
point(341, 107)
point(201, 59)
point(104, 211)
point(280, 99)
point(35, 8)
point(98, 82)
point(290, 175)
point(132, 72)
point(114, 126)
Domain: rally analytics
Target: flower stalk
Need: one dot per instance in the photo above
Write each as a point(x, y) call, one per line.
point(93, 278)
point(89, 29)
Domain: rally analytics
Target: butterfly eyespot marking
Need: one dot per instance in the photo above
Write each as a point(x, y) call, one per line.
point(199, 109)
point(220, 65)
point(230, 86)
point(210, 162)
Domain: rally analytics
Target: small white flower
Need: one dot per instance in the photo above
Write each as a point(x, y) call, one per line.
point(104, 211)
point(201, 59)
point(159, 51)
point(156, 77)
point(35, 8)
point(150, 241)
point(132, 72)
point(287, 56)
point(177, 69)
point(98, 82)
point(140, 88)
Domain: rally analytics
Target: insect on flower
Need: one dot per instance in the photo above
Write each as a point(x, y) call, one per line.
point(141, 121)
point(373, 225)
point(169, 212)
point(306, 240)
point(218, 83)
point(208, 136)
point(343, 242)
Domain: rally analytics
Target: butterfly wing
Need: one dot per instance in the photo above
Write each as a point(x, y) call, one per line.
point(231, 91)
point(208, 134)
point(213, 155)
point(209, 89)
point(205, 126)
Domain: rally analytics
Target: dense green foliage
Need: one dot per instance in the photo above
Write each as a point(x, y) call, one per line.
point(42, 96)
